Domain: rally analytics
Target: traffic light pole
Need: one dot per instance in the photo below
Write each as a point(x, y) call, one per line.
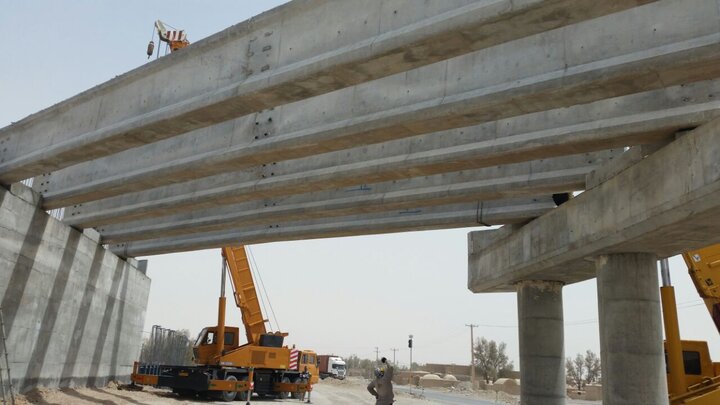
point(410, 345)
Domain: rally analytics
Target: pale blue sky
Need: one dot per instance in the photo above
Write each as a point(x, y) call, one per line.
point(345, 295)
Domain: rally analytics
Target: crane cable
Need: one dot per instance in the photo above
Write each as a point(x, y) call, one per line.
point(262, 284)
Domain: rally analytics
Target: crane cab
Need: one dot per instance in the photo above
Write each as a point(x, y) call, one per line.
point(308, 362)
point(204, 349)
point(698, 365)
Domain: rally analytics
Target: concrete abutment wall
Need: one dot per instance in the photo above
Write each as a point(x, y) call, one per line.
point(74, 312)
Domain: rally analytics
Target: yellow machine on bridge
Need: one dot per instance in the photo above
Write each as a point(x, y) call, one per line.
point(693, 378)
point(226, 367)
point(175, 39)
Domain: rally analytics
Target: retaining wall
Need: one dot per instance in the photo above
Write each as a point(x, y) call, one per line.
point(74, 312)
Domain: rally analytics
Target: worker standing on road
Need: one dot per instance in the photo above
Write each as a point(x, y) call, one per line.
point(381, 387)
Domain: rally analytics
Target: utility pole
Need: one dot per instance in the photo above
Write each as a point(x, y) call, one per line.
point(410, 346)
point(377, 351)
point(472, 355)
point(394, 351)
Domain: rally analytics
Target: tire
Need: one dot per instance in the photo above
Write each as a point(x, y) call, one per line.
point(299, 395)
point(228, 396)
point(284, 395)
point(243, 395)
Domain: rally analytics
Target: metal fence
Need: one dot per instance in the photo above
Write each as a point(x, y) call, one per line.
point(166, 346)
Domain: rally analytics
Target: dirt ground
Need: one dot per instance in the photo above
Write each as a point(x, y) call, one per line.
point(328, 392)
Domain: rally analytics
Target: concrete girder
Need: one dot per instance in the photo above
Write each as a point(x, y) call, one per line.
point(620, 121)
point(246, 68)
point(418, 219)
point(532, 74)
point(547, 177)
point(544, 176)
point(665, 204)
point(628, 120)
point(170, 227)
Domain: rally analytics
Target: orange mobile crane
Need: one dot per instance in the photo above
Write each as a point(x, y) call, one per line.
point(229, 370)
point(692, 376)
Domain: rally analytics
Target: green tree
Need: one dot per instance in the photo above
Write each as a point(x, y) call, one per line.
point(491, 358)
point(356, 363)
point(593, 371)
point(583, 370)
point(575, 371)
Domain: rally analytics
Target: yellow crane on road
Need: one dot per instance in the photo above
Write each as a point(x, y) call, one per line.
point(232, 370)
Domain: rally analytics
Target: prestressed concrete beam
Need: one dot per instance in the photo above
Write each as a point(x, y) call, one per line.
point(628, 120)
point(550, 175)
point(444, 217)
point(169, 228)
point(527, 179)
point(641, 118)
point(665, 204)
point(532, 74)
point(282, 56)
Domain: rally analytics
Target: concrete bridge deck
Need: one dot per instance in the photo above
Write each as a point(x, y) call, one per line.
point(388, 117)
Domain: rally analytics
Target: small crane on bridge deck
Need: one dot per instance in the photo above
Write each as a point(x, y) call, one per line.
point(175, 39)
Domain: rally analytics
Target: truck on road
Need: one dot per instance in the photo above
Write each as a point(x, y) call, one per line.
point(331, 365)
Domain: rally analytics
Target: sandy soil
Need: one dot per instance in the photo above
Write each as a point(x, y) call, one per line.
point(328, 392)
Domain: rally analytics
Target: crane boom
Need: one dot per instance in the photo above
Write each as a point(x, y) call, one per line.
point(176, 39)
point(162, 31)
point(704, 269)
point(246, 297)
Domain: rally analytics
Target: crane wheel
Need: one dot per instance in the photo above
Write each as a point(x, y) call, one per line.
point(243, 395)
point(299, 395)
point(284, 395)
point(228, 396)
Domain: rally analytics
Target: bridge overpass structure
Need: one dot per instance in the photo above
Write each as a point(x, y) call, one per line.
point(322, 119)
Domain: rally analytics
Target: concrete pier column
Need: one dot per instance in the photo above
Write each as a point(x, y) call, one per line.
point(542, 352)
point(631, 340)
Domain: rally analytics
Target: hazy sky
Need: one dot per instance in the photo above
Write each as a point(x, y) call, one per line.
point(344, 295)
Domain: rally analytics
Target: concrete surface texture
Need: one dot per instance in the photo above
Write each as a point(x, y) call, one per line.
point(313, 59)
point(542, 342)
point(410, 118)
point(73, 311)
point(390, 118)
point(666, 203)
point(631, 339)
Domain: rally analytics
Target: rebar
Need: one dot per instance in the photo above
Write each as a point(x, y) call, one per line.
point(164, 346)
